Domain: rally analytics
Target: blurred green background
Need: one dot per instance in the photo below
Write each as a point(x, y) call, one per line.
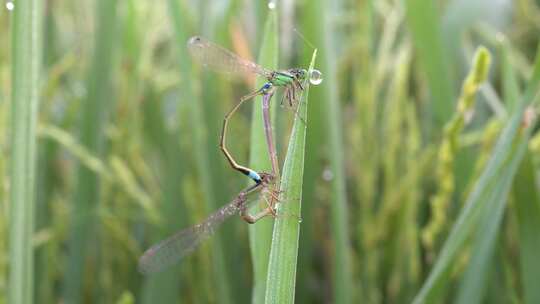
point(421, 162)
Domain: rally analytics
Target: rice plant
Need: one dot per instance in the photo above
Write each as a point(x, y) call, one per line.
point(408, 175)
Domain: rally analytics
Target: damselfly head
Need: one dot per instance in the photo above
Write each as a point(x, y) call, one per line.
point(314, 76)
point(299, 74)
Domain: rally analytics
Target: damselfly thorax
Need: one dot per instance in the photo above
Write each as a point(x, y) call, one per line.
point(291, 80)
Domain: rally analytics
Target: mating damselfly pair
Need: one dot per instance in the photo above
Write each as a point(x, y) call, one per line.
point(213, 56)
point(222, 60)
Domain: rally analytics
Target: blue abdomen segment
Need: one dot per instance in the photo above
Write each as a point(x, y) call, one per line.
point(266, 87)
point(254, 176)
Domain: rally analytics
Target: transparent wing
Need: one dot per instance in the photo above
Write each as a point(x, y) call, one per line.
point(171, 250)
point(222, 60)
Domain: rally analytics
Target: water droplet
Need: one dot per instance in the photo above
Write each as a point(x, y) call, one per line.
point(315, 77)
point(299, 220)
point(272, 4)
point(500, 37)
point(327, 175)
point(10, 6)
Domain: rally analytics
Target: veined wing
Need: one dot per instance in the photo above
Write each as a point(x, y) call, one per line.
point(222, 60)
point(173, 249)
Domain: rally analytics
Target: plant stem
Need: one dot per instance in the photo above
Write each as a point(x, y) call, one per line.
point(86, 197)
point(26, 50)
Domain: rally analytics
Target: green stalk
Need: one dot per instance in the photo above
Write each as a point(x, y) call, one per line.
point(202, 156)
point(46, 182)
point(280, 284)
point(478, 273)
point(527, 203)
point(260, 234)
point(510, 84)
point(331, 124)
point(26, 52)
point(162, 287)
point(313, 166)
point(86, 197)
point(424, 23)
point(214, 106)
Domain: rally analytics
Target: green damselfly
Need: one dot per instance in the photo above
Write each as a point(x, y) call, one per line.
point(222, 60)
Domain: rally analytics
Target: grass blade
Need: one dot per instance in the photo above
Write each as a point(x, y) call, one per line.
point(527, 198)
point(473, 286)
point(280, 284)
point(26, 50)
point(86, 195)
point(321, 34)
point(162, 287)
point(331, 122)
point(510, 85)
point(424, 24)
point(260, 234)
point(317, 137)
point(527, 205)
point(201, 155)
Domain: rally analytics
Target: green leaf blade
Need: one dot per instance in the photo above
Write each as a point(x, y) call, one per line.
point(280, 285)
